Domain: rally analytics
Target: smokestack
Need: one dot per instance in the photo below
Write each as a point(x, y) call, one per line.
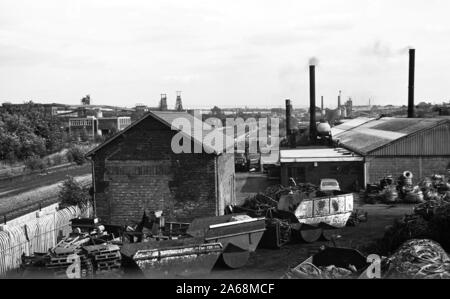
point(288, 122)
point(312, 102)
point(321, 106)
point(339, 99)
point(412, 57)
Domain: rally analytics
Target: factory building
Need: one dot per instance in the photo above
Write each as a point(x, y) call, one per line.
point(136, 171)
point(93, 126)
point(391, 146)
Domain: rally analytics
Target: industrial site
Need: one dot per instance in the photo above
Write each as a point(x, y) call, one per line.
point(311, 186)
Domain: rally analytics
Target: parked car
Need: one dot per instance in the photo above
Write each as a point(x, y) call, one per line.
point(329, 185)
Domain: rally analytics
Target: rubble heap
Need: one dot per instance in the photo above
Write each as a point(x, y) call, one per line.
point(267, 200)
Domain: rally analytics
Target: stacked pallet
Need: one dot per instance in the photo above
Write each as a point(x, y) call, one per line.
point(61, 260)
point(106, 259)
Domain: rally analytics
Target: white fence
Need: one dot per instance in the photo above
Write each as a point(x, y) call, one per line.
point(36, 235)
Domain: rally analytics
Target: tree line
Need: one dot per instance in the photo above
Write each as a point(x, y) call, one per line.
point(27, 131)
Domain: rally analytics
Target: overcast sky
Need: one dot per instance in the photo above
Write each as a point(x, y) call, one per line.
point(224, 53)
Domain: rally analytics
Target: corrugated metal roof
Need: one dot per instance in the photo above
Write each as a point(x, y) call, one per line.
point(373, 134)
point(318, 155)
point(350, 124)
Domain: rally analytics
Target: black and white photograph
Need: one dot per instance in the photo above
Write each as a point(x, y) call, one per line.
point(226, 146)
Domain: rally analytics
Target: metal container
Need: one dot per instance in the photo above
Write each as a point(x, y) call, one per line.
point(171, 258)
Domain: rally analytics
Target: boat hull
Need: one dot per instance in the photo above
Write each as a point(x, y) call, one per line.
point(333, 211)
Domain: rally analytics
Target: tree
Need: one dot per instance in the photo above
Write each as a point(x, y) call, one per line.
point(86, 100)
point(34, 163)
point(76, 154)
point(73, 193)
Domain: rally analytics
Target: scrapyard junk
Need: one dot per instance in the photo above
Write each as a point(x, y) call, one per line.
point(87, 252)
point(384, 192)
point(420, 259)
point(170, 258)
point(309, 212)
point(436, 187)
point(330, 263)
point(229, 239)
point(357, 217)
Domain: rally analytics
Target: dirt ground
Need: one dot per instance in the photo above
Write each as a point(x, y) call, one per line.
point(271, 263)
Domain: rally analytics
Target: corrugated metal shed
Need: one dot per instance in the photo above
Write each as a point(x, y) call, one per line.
point(398, 136)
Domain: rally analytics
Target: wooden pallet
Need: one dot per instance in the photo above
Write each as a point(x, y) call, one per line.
point(108, 256)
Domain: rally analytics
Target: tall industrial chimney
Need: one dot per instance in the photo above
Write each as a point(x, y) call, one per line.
point(412, 57)
point(288, 123)
point(321, 106)
point(312, 102)
point(339, 99)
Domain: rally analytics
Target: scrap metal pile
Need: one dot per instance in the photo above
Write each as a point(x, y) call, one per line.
point(330, 263)
point(414, 259)
point(430, 220)
point(267, 200)
point(309, 270)
point(435, 187)
point(421, 259)
point(85, 253)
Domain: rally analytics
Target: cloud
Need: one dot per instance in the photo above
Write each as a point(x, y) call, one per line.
point(280, 38)
point(15, 56)
point(384, 50)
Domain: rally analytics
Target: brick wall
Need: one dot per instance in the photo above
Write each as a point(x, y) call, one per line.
point(138, 172)
point(379, 167)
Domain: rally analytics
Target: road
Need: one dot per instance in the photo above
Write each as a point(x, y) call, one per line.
point(26, 183)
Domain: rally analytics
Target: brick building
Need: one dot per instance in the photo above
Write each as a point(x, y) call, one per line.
point(391, 146)
point(136, 171)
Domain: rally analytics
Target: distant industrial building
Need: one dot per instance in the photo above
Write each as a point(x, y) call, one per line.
point(92, 126)
point(137, 171)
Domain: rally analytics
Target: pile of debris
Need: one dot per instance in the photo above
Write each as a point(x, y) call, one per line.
point(330, 263)
point(267, 200)
point(431, 220)
point(310, 271)
point(357, 217)
point(86, 253)
point(419, 258)
point(436, 187)
point(385, 192)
